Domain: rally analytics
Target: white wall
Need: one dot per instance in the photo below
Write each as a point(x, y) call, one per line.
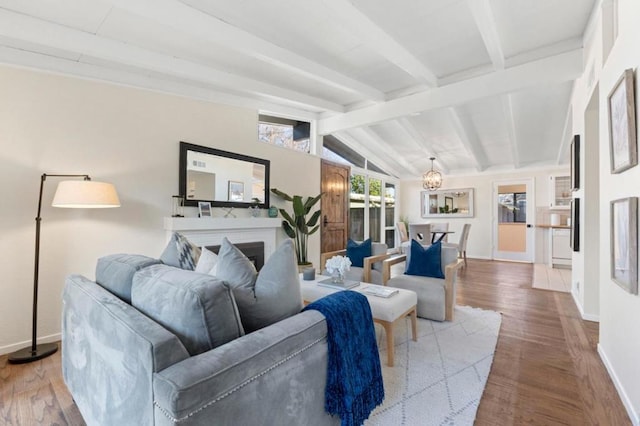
point(129, 137)
point(619, 311)
point(480, 235)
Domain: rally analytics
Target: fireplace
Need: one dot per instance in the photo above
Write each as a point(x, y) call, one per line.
point(254, 251)
point(256, 235)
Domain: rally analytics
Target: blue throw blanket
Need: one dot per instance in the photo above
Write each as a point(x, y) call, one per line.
point(354, 377)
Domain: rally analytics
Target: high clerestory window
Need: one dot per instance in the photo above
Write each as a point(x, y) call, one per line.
point(284, 132)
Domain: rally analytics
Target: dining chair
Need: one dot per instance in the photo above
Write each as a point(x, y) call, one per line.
point(462, 243)
point(421, 232)
point(440, 227)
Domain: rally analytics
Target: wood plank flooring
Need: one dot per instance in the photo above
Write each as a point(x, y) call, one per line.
point(546, 369)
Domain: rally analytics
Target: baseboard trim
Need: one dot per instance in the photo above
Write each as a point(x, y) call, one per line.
point(633, 416)
point(16, 346)
point(586, 317)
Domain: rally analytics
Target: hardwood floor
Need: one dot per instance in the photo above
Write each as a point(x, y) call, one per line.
point(546, 369)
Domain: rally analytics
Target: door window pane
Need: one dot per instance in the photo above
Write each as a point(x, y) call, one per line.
point(375, 206)
point(389, 214)
point(356, 208)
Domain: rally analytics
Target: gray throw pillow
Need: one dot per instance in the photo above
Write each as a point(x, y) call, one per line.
point(198, 308)
point(181, 253)
point(267, 297)
point(115, 272)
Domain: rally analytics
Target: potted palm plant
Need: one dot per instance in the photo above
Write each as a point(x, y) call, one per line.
point(296, 225)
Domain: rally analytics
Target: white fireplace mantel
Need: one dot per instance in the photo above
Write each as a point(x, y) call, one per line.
point(209, 231)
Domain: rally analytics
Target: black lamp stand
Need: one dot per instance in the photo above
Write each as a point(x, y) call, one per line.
point(36, 352)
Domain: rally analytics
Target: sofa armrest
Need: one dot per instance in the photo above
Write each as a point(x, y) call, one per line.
point(276, 373)
point(328, 255)
point(109, 354)
point(387, 264)
point(368, 265)
point(450, 279)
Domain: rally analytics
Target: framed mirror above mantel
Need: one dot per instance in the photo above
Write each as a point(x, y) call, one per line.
point(447, 203)
point(225, 179)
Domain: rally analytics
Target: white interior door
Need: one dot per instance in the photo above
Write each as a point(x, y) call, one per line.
point(513, 219)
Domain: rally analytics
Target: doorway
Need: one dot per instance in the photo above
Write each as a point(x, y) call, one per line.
point(334, 223)
point(513, 218)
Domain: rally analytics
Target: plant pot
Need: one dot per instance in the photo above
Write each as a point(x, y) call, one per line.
point(303, 266)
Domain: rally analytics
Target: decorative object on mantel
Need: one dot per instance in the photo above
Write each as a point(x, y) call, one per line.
point(624, 243)
point(228, 212)
point(254, 209)
point(622, 124)
point(204, 208)
point(69, 194)
point(177, 206)
point(296, 225)
point(273, 211)
point(432, 179)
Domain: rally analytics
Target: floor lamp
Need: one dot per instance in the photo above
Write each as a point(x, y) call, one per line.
point(69, 194)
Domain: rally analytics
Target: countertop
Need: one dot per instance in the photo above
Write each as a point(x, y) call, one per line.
point(554, 226)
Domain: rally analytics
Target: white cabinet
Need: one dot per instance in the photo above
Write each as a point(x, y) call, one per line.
point(560, 249)
point(560, 192)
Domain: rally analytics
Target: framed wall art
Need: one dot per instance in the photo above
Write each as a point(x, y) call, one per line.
point(574, 237)
point(622, 124)
point(575, 163)
point(624, 243)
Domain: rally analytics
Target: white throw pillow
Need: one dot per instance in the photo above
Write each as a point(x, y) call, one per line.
point(208, 262)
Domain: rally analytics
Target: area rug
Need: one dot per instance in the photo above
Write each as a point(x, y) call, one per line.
point(439, 379)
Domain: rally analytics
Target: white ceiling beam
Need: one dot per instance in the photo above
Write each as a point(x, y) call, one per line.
point(54, 65)
point(381, 42)
point(483, 15)
point(556, 69)
point(22, 27)
point(186, 19)
point(468, 136)
point(385, 147)
point(419, 142)
point(507, 108)
point(346, 138)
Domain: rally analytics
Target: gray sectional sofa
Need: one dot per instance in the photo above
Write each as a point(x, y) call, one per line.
point(123, 367)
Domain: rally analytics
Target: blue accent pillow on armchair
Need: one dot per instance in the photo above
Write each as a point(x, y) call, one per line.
point(425, 262)
point(357, 252)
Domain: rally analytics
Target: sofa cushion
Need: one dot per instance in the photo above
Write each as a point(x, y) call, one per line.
point(267, 297)
point(180, 253)
point(115, 272)
point(198, 308)
point(376, 250)
point(425, 262)
point(207, 263)
point(356, 252)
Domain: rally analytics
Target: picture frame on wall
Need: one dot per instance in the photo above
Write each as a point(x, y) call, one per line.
point(575, 163)
point(236, 191)
point(574, 236)
point(624, 243)
point(204, 208)
point(622, 124)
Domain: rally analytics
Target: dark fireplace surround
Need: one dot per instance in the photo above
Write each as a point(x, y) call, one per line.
point(254, 251)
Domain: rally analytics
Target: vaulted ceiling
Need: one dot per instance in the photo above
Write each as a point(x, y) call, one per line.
point(482, 85)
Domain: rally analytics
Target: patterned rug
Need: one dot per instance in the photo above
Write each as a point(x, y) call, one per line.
point(439, 379)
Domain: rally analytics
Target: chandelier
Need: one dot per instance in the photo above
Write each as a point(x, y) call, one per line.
point(432, 179)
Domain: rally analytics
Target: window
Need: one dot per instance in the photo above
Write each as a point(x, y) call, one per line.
point(372, 197)
point(284, 132)
point(512, 207)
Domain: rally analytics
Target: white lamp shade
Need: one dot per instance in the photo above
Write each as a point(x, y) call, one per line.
point(85, 194)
